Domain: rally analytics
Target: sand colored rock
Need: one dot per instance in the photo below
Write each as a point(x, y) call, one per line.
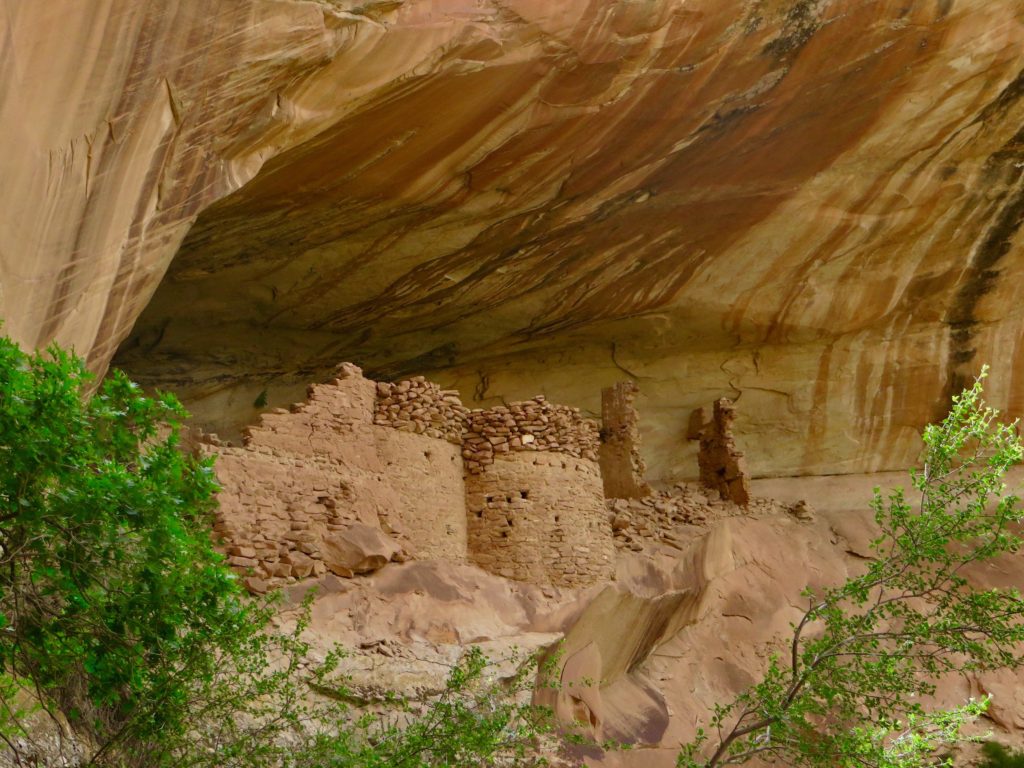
point(356, 549)
point(819, 217)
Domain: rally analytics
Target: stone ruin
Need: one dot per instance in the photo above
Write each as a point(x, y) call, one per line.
point(723, 467)
point(622, 467)
point(364, 473)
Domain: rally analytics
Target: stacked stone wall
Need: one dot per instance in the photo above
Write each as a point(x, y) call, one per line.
point(540, 517)
point(275, 511)
point(517, 489)
point(421, 407)
point(532, 425)
point(622, 467)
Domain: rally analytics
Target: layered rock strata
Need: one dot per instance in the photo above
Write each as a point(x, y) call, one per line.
point(810, 207)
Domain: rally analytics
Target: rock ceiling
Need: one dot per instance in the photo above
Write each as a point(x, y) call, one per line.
point(811, 206)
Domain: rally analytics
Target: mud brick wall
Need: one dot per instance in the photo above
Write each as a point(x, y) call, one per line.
point(422, 478)
point(516, 489)
point(533, 425)
point(422, 407)
point(276, 509)
point(540, 517)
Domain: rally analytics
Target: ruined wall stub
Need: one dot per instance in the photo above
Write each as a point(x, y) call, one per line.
point(622, 466)
point(722, 465)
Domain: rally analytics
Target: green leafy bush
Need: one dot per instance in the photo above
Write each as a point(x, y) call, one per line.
point(111, 594)
point(848, 690)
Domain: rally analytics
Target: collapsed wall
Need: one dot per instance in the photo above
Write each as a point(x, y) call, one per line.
point(534, 495)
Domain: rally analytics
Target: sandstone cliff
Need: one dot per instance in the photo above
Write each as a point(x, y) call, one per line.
point(809, 205)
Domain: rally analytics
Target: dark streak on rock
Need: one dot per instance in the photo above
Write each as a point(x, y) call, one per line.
point(442, 356)
point(983, 272)
point(1009, 96)
point(800, 25)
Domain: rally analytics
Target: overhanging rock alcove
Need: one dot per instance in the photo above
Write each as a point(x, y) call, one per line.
point(808, 213)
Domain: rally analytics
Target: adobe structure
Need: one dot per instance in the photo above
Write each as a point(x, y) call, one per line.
point(366, 472)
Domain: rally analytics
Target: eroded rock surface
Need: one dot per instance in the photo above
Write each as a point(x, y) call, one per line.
point(686, 624)
point(809, 206)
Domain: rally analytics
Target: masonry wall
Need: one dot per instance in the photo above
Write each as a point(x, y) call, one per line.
point(540, 517)
point(323, 465)
point(622, 467)
point(515, 489)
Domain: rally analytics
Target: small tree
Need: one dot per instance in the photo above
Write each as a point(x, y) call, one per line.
point(111, 594)
point(847, 692)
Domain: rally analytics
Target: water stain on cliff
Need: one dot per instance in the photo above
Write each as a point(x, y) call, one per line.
point(982, 273)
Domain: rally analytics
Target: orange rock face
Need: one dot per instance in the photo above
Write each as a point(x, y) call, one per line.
point(809, 206)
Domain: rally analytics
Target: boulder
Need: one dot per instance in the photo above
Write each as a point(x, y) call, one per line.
point(358, 548)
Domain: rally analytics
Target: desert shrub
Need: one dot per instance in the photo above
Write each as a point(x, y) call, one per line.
point(266, 709)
